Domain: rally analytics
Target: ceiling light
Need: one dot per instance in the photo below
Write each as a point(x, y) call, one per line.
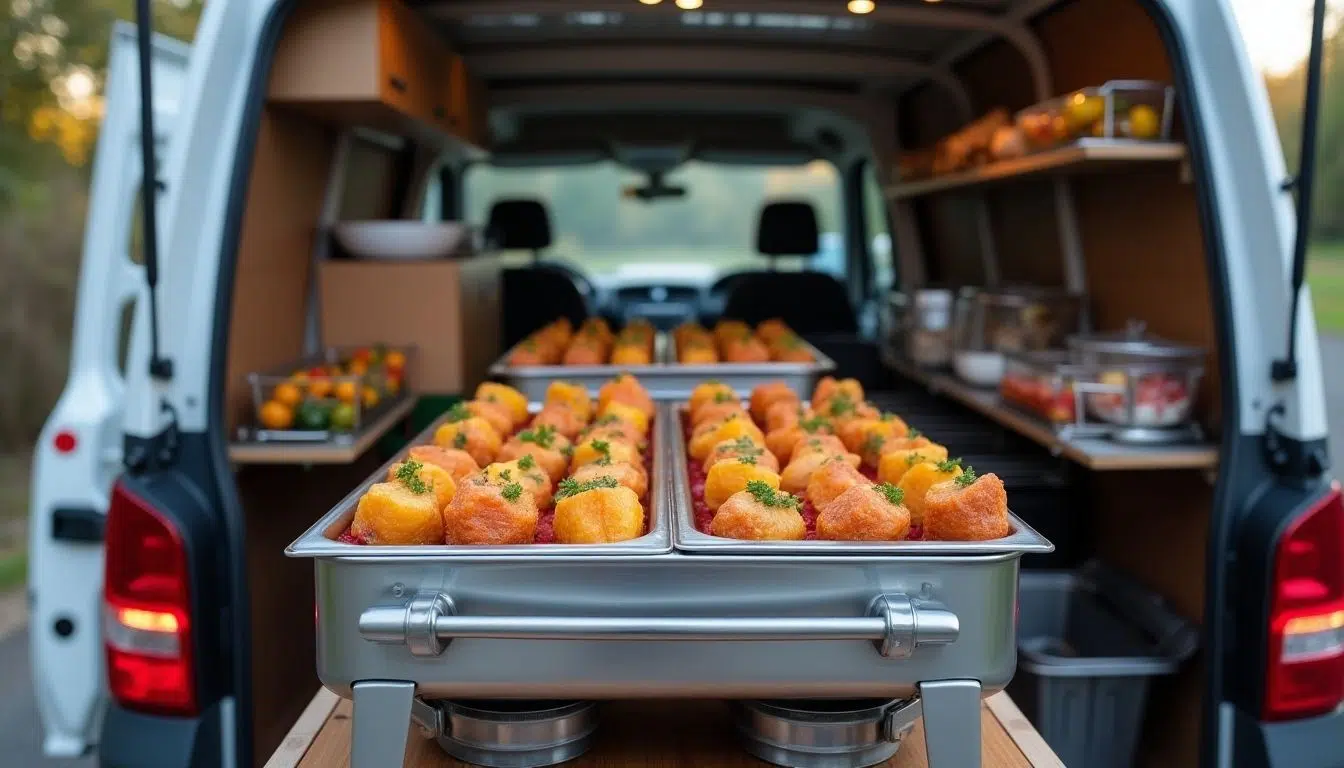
point(650, 2)
point(861, 6)
point(689, 5)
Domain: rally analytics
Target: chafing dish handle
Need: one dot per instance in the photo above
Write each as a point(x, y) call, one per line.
point(896, 624)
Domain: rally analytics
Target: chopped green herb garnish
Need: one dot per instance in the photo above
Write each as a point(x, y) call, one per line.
point(527, 462)
point(723, 397)
point(911, 459)
point(506, 475)
point(894, 495)
point(459, 412)
point(543, 436)
point(814, 424)
point(571, 487)
point(966, 478)
point(913, 433)
point(567, 451)
point(535, 478)
point(887, 416)
point(873, 444)
point(606, 419)
point(602, 447)
point(746, 459)
point(408, 474)
point(841, 405)
point(771, 497)
point(950, 465)
point(511, 491)
point(460, 440)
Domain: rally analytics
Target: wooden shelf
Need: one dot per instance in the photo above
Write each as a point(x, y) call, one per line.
point(687, 733)
point(1096, 453)
point(322, 453)
point(1085, 156)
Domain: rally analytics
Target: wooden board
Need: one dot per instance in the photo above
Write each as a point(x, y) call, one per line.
point(661, 734)
point(322, 453)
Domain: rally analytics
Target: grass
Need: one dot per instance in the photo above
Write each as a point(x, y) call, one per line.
point(1325, 275)
point(13, 514)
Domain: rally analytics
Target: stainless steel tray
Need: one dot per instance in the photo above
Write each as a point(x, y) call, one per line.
point(688, 538)
point(321, 540)
point(532, 380)
point(743, 377)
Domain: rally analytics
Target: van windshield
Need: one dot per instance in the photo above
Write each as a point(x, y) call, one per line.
point(710, 230)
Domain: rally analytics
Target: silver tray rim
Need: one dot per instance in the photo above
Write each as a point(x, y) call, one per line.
point(821, 363)
point(687, 538)
point(665, 355)
point(315, 543)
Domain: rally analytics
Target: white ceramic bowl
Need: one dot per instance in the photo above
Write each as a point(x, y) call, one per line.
point(403, 239)
point(979, 369)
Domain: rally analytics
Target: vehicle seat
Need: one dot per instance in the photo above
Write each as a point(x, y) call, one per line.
point(535, 295)
point(810, 302)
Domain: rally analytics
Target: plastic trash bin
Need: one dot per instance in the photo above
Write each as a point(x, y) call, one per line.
point(1088, 643)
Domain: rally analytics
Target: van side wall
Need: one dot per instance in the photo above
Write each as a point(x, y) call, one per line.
point(1144, 254)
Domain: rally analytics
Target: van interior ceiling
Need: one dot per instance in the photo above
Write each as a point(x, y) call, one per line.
point(369, 101)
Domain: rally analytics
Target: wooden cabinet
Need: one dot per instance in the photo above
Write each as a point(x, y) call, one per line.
point(374, 63)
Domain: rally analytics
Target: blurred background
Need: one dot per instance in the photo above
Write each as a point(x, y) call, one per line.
point(53, 56)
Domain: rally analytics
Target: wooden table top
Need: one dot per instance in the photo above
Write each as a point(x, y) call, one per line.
point(655, 734)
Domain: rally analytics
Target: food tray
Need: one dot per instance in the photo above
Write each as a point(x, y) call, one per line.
point(532, 380)
point(679, 380)
point(689, 538)
point(322, 540)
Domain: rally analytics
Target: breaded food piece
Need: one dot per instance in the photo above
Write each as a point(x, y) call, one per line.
point(596, 328)
point(798, 473)
point(510, 398)
point(784, 414)
point(632, 417)
point(967, 508)
point(832, 479)
point(782, 441)
point(876, 435)
point(829, 387)
point(583, 351)
point(790, 349)
point(496, 414)
point(729, 477)
point(458, 463)
point(631, 476)
point(759, 513)
point(745, 349)
point(727, 329)
point(865, 513)
point(918, 479)
point(396, 514)
point(697, 352)
point(599, 511)
point(528, 352)
point(439, 480)
point(827, 444)
point(716, 411)
point(895, 463)
point(546, 446)
point(772, 329)
point(631, 354)
point(593, 450)
point(710, 434)
point(564, 419)
point(482, 512)
point(842, 409)
point(615, 432)
point(525, 472)
point(626, 389)
point(766, 395)
point(711, 391)
point(469, 433)
point(856, 432)
point(571, 395)
point(738, 448)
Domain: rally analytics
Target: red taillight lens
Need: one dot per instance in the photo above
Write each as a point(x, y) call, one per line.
point(147, 618)
point(1306, 621)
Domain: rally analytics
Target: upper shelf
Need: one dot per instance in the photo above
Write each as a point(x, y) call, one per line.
point(1085, 156)
point(325, 452)
point(1097, 453)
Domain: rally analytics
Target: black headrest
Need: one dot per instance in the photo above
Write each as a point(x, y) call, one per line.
point(519, 225)
point(788, 229)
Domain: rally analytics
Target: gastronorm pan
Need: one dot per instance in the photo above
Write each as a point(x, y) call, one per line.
point(322, 540)
point(532, 380)
point(742, 377)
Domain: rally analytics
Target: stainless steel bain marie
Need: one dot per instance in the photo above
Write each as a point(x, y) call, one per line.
point(532, 380)
point(679, 380)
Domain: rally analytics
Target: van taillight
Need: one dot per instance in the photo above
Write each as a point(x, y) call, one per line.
point(146, 610)
point(1306, 620)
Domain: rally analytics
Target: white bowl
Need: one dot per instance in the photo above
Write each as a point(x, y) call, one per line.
point(979, 369)
point(403, 239)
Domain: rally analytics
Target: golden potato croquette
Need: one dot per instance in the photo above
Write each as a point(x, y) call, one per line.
point(439, 480)
point(738, 448)
point(710, 434)
point(828, 444)
point(482, 512)
point(967, 508)
point(745, 349)
point(798, 473)
point(631, 476)
point(396, 514)
point(716, 411)
point(759, 513)
point(711, 391)
point(729, 477)
point(829, 387)
point(495, 414)
point(469, 433)
point(597, 512)
point(626, 389)
point(564, 419)
point(831, 479)
point(546, 447)
point(865, 513)
point(571, 395)
point(774, 328)
point(918, 479)
point(896, 463)
point(631, 354)
point(510, 398)
point(625, 414)
point(767, 395)
point(783, 414)
point(458, 463)
point(525, 472)
point(595, 450)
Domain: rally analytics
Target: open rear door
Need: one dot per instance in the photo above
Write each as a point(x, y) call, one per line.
point(79, 453)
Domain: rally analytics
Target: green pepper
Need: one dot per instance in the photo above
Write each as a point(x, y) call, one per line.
point(312, 415)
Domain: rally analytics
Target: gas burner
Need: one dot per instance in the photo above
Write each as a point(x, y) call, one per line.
point(515, 734)
point(825, 733)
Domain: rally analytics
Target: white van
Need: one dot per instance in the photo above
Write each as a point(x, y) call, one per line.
point(295, 115)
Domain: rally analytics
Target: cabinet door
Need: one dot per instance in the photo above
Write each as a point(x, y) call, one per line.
point(408, 73)
point(467, 111)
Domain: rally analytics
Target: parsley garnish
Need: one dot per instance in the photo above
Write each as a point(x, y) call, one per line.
point(571, 487)
point(527, 462)
point(888, 416)
point(747, 459)
point(913, 458)
point(841, 405)
point(770, 497)
point(966, 478)
point(460, 440)
point(951, 465)
point(543, 436)
point(459, 412)
point(567, 451)
point(814, 424)
point(512, 491)
point(602, 447)
point(408, 474)
point(894, 495)
point(873, 443)
point(723, 397)
point(912, 433)
point(506, 475)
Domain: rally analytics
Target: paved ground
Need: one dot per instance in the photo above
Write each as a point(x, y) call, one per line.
point(21, 734)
